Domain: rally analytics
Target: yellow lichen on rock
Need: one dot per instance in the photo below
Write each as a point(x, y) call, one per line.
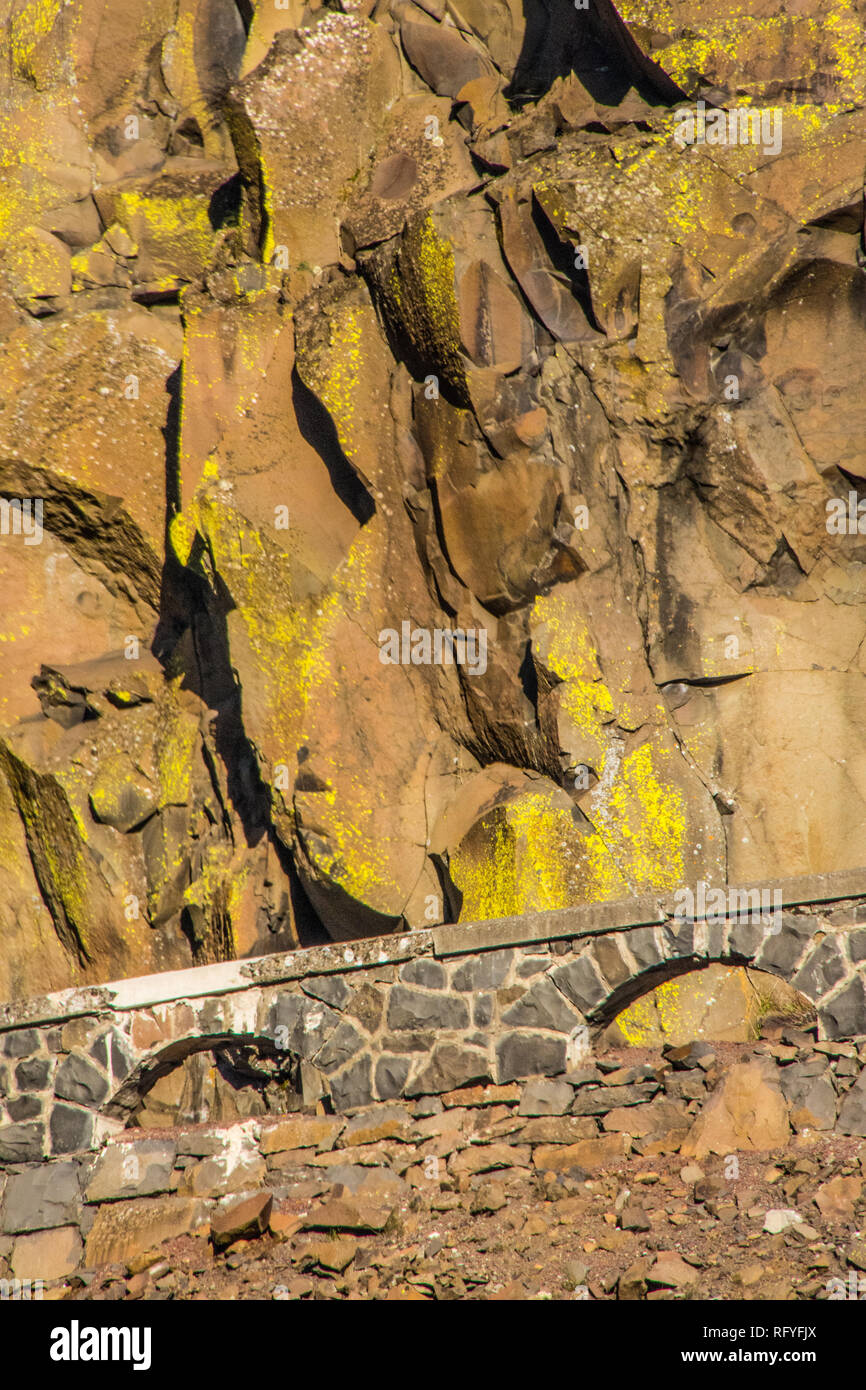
point(643, 819)
point(30, 24)
point(419, 295)
point(175, 231)
point(175, 744)
point(530, 856)
point(566, 645)
point(340, 385)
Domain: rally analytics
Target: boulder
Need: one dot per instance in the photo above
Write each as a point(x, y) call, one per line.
point(746, 1111)
point(241, 1220)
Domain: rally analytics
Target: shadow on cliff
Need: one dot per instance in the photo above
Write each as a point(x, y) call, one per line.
point(592, 43)
point(191, 640)
point(320, 432)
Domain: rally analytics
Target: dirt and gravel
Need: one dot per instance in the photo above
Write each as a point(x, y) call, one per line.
point(778, 1225)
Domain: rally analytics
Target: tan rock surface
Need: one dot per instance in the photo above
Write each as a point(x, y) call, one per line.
point(321, 327)
point(747, 1111)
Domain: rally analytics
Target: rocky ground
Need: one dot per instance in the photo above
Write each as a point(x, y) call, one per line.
point(693, 1213)
point(656, 1229)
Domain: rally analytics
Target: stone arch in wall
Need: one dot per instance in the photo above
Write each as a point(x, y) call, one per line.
point(444, 1013)
point(208, 1068)
point(600, 977)
point(828, 967)
point(106, 1061)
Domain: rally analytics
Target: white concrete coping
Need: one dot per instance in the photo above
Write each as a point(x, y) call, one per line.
point(453, 939)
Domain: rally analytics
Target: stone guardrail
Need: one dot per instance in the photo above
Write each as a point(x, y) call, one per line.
point(420, 1013)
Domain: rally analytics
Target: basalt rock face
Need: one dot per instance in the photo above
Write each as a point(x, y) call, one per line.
point(329, 331)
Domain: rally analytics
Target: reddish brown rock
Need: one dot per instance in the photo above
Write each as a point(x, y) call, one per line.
point(589, 1154)
point(837, 1198)
point(241, 1220)
point(747, 1111)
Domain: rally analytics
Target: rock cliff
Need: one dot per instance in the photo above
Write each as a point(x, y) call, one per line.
point(328, 333)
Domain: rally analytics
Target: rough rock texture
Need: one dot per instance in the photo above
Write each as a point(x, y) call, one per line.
point(747, 1112)
point(479, 1149)
point(321, 323)
point(265, 1042)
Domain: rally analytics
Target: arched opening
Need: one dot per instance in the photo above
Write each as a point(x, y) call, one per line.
point(220, 1078)
point(718, 1002)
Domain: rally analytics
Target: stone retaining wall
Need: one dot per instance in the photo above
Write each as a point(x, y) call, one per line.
point(402, 1017)
point(68, 1214)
